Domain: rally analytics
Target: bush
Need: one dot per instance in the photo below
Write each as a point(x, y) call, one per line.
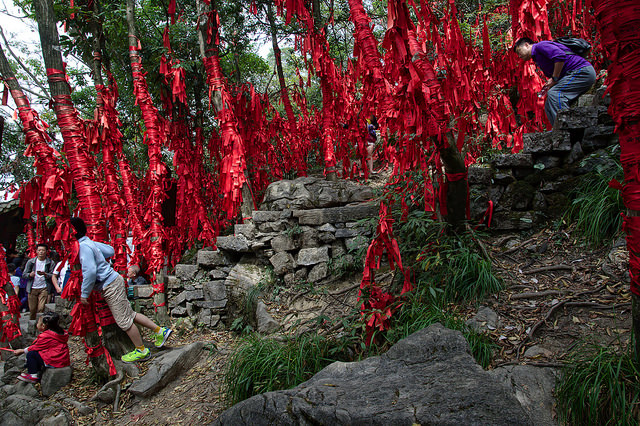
point(599, 385)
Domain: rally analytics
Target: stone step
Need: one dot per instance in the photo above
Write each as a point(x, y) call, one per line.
point(27, 326)
point(142, 291)
point(50, 307)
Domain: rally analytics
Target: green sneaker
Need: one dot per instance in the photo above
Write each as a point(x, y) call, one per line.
point(161, 337)
point(137, 355)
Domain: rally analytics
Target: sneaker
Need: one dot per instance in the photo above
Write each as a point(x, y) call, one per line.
point(25, 377)
point(137, 355)
point(161, 337)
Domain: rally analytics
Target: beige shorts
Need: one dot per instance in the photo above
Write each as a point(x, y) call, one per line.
point(116, 297)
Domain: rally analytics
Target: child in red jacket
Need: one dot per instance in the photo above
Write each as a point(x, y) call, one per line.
point(50, 349)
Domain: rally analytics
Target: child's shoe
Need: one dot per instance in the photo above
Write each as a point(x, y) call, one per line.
point(137, 355)
point(160, 338)
point(29, 378)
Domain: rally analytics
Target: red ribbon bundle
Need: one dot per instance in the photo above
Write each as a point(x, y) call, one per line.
point(9, 318)
point(618, 22)
point(378, 306)
point(233, 166)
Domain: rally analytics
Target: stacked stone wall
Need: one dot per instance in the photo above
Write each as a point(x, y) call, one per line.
point(533, 186)
point(303, 229)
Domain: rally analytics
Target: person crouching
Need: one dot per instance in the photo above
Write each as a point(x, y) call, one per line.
point(50, 349)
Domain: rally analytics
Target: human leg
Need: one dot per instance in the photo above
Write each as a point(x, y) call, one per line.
point(370, 148)
point(115, 295)
point(43, 298)
point(35, 364)
point(567, 90)
point(134, 335)
point(33, 304)
point(552, 104)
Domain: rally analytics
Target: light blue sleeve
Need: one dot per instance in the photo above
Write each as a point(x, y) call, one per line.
point(106, 249)
point(89, 270)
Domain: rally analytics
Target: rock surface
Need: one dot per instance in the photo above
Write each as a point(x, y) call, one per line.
point(428, 378)
point(533, 387)
point(310, 192)
point(266, 323)
point(24, 410)
point(54, 379)
point(164, 368)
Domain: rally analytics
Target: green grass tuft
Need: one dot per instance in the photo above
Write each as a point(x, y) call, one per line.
point(596, 207)
point(423, 309)
point(599, 385)
point(262, 364)
point(453, 263)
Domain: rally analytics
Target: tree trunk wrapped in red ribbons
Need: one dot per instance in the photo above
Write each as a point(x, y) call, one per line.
point(233, 163)
point(192, 221)
point(104, 130)
point(155, 134)
point(618, 22)
point(81, 162)
point(48, 192)
point(83, 169)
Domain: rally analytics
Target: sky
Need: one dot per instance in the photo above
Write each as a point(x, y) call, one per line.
point(24, 42)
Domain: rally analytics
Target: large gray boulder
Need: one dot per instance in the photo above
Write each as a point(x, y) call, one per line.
point(243, 276)
point(164, 368)
point(429, 378)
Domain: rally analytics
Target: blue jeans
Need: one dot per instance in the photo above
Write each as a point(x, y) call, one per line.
point(567, 90)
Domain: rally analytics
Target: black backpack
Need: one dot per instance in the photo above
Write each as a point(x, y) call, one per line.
point(578, 46)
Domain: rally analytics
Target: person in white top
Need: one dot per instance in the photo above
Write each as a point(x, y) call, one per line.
point(60, 277)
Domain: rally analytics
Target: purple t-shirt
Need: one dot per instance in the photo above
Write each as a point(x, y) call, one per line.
point(547, 53)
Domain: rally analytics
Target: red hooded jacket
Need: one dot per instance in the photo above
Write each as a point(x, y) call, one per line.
point(53, 348)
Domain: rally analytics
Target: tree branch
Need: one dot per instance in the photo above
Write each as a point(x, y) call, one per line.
point(24, 67)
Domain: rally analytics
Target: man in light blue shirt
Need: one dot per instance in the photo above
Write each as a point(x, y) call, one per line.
point(98, 275)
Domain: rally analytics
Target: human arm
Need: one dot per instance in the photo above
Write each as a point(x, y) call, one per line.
point(555, 76)
point(89, 271)
point(43, 342)
point(55, 277)
point(19, 351)
point(54, 280)
point(106, 249)
point(28, 269)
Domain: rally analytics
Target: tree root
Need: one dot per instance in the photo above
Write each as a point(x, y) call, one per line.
point(115, 383)
point(536, 294)
point(549, 268)
point(554, 308)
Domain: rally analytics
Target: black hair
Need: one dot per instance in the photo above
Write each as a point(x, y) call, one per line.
point(522, 41)
point(50, 320)
point(79, 226)
point(46, 247)
point(11, 268)
point(374, 122)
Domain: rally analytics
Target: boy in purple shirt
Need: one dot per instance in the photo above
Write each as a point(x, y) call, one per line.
point(569, 75)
